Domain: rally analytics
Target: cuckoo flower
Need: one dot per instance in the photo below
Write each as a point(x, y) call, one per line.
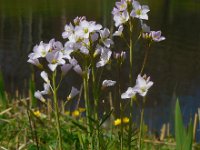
point(142, 85)
point(119, 31)
point(77, 20)
point(56, 45)
point(46, 89)
point(44, 76)
point(73, 93)
point(77, 69)
point(139, 11)
point(107, 83)
point(120, 56)
point(121, 18)
point(156, 36)
point(65, 68)
point(121, 5)
point(39, 96)
point(73, 61)
point(130, 93)
point(55, 59)
point(104, 34)
point(69, 30)
point(105, 57)
point(40, 50)
point(86, 27)
point(35, 62)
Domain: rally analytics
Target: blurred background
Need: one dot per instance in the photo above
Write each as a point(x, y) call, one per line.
point(174, 64)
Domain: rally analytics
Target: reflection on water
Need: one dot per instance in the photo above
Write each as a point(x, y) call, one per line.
point(174, 64)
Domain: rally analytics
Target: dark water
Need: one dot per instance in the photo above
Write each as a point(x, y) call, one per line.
point(174, 64)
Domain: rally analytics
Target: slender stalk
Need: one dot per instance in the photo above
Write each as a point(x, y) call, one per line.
point(85, 84)
point(130, 124)
point(33, 131)
point(131, 53)
point(131, 82)
point(141, 124)
point(94, 88)
point(87, 107)
point(56, 110)
point(145, 58)
point(96, 100)
point(121, 107)
point(121, 128)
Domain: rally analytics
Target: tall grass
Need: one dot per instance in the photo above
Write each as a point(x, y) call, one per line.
point(3, 100)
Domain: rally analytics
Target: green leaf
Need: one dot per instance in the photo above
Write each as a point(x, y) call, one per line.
point(179, 128)
point(105, 117)
point(184, 138)
point(3, 100)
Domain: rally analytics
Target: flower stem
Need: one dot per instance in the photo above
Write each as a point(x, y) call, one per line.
point(56, 110)
point(130, 124)
point(94, 88)
point(141, 126)
point(87, 107)
point(131, 53)
point(121, 108)
point(96, 100)
point(145, 59)
point(131, 82)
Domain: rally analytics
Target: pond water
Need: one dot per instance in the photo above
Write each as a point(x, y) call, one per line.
point(174, 65)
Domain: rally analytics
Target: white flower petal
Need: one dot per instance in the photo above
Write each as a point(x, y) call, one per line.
point(107, 83)
point(44, 76)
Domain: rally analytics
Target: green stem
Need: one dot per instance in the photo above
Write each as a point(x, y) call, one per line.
point(131, 53)
point(131, 82)
point(130, 124)
point(56, 110)
point(121, 127)
point(94, 88)
point(86, 97)
point(141, 124)
point(87, 107)
point(96, 100)
point(121, 108)
point(145, 59)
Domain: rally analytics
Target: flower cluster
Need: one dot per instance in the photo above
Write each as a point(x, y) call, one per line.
point(84, 37)
point(55, 55)
point(53, 52)
point(122, 12)
point(153, 36)
point(119, 121)
point(142, 86)
point(127, 9)
point(88, 38)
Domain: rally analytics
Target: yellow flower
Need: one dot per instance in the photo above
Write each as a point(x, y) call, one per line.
point(67, 112)
point(117, 122)
point(75, 113)
point(81, 109)
point(37, 113)
point(125, 120)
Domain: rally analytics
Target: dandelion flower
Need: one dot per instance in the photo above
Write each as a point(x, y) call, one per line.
point(125, 120)
point(37, 113)
point(117, 122)
point(76, 113)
